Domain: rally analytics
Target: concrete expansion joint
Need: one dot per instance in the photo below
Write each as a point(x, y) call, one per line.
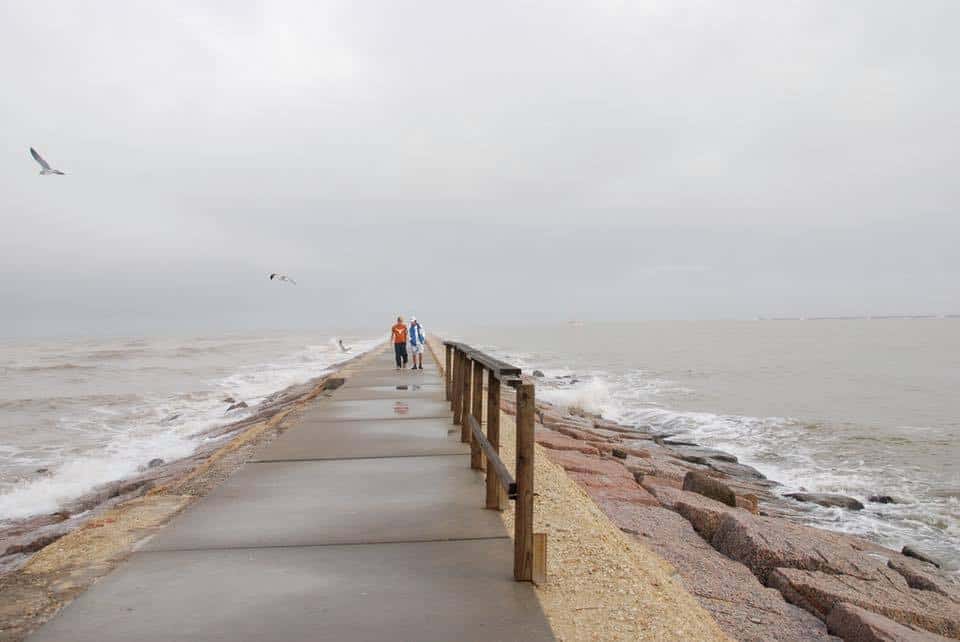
point(265, 547)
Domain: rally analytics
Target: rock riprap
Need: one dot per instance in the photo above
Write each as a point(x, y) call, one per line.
point(723, 527)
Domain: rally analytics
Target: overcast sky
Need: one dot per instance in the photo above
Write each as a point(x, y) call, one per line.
point(484, 161)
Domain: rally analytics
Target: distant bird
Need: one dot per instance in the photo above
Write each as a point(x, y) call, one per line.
point(343, 348)
point(45, 166)
point(282, 277)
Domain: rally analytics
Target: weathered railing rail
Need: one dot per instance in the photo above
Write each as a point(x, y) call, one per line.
point(464, 369)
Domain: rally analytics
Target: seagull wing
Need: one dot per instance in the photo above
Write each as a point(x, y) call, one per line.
point(273, 275)
point(37, 157)
point(291, 281)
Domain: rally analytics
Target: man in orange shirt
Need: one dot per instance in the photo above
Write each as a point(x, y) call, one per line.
point(399, 335)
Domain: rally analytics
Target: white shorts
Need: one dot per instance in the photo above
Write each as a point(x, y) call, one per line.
point(416, 348)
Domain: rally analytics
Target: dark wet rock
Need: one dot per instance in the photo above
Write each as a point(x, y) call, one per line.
point(42, 471)
point(30, 524)
point(701, 453)
point(910, 551)
point(659, 437)
point(153, 463)
point(855, 624)
point(32, 544)
point(709, 487)
point(619, 453)
point(228, 399)
point(538, 374)
point(828, 500)
point(236, 406)
point(740, 471)
point(882, 499)
point(334, 383)
point(922, 576)
point(677, 442)
point(612, 426)
point(820, 593)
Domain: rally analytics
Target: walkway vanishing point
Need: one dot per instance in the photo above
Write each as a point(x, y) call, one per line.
point(362, 521)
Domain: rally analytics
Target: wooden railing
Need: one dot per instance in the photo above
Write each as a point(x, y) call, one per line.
point(463, 371)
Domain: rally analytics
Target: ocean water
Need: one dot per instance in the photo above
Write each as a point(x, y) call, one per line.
point(78, 413)
point(858, 407)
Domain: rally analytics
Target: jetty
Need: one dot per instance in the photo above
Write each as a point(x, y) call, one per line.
point(368, 519)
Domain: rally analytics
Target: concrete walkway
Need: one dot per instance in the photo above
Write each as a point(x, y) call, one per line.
point(363, 521)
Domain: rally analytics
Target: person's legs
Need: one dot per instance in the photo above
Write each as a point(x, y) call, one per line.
point(403, 348)
point(417, 356)
point(397, 353)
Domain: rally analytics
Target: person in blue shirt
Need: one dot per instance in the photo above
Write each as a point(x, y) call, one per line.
point(417, 339)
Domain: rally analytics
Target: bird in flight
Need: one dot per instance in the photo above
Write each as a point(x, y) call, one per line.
point(282, 277)
point(45, 166)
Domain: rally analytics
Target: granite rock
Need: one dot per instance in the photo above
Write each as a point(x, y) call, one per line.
point(890, 596)
point(855, 624)
point(827, 500)
point(709, 487)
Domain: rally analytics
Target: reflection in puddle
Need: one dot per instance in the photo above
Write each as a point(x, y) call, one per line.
point(400, 408)
point(413, 387)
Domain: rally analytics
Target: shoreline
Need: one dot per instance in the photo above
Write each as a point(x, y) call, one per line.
point(21, 538)
point(103, 537)
point(747, 561)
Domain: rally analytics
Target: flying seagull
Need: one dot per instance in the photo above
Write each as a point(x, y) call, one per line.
point(344, 348)
point(282, 277)
point(46, 169)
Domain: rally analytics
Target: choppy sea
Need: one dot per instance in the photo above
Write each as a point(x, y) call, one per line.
point(78, 413)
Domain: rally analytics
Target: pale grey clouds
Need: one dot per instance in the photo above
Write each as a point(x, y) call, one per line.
point(654, 159)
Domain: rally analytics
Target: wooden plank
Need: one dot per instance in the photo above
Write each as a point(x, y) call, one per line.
point(501, 369)
point(476, 455)
point(503, 476)
point(464, 398)
point(447, 356)
point(496, 499)
point(455, 383)
point(539, 559)
point(523, 522)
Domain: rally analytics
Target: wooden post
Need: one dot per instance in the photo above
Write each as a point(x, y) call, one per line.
point(456, 387)
point(476, 455)
point(496, 497)
point(523, 522)
point(464, 399)
point(446, 370)
point(539, 559)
